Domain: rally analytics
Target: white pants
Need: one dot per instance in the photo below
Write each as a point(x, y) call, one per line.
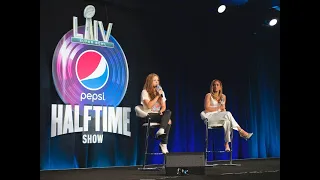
point(224, 118)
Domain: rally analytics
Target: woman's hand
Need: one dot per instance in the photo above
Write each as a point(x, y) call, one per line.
point(160, 92)
point(222, 107)
point(161, 112)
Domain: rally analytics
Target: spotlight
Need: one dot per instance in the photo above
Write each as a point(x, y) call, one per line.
point(273, 22)
point(272, 17)
point(221, 9)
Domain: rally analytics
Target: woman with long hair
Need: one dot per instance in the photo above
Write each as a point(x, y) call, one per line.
point(215, 109)
point(153, 100)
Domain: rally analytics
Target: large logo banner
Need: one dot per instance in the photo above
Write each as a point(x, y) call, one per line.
point(90, 74)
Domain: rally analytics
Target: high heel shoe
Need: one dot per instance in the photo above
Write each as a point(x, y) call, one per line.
point(248, 136)
point(227, 148)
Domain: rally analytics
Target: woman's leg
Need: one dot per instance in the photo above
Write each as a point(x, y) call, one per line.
point(227, 133)
point(234, 123)
point(237, 127)
point(164, 139)
point(221, 119)
point(164, 130)
point(165, 117)
point(167, 130)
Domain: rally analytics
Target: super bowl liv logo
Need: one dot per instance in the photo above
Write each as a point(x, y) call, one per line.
point(90, 73)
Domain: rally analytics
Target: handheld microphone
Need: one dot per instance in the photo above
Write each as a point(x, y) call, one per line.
point(221, 101)
point(158, 88)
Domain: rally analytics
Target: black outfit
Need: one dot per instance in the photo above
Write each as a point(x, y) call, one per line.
point(163, 120)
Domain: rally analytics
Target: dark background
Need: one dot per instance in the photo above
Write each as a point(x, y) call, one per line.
point(188, 44)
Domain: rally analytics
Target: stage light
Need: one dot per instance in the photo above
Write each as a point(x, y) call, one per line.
point(221, 8)
point(273, 22)
point(272, 17)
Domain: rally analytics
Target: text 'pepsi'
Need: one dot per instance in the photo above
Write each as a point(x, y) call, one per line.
point(92, 97)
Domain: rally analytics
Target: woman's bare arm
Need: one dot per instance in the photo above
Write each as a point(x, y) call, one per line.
point(207, 107)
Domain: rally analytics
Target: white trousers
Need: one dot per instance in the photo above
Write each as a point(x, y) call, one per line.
point(225, 119)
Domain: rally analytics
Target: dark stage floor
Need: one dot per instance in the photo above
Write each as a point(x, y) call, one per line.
point(262, 169)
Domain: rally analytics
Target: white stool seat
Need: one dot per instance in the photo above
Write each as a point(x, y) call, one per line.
point(152, 124)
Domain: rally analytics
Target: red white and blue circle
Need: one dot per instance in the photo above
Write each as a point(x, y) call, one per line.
point(79, 69)
point(92, 70)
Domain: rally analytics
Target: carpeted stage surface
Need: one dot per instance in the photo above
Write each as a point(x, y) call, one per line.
point(251, 169)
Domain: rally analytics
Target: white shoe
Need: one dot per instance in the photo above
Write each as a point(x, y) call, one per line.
point(160, 132)
point(164, 148)
point(165, 145)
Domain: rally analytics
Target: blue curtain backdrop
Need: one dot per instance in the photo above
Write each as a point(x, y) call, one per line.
point(188, 53)
point(251, 81)
point(255, 106)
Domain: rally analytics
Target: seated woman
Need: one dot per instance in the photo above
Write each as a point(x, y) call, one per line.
point(215, 109)
point(154, 103)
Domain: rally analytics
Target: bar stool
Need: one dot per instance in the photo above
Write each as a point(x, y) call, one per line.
point(214, 127)
point(148, 125)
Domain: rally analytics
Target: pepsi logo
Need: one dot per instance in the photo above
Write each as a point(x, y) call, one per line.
point(85, 74)
point(92, 70)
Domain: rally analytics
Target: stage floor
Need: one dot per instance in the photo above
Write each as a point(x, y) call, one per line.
point(262, 169)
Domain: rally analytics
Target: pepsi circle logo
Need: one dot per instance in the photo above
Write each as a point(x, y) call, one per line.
point(89, 74)
point(92, 70)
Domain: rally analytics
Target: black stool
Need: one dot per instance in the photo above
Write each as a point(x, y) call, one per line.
point(205, 119)
point(148, 125)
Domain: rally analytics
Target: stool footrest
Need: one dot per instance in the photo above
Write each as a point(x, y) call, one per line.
point(154, 153)
point(218, 151)
point(150, 168)
point(212, 165)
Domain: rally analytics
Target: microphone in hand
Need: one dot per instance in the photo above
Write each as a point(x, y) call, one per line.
point(222, 101)
point(159, 88)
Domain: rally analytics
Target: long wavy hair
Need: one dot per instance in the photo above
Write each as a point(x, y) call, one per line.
point(148, 85)
point(216, 95)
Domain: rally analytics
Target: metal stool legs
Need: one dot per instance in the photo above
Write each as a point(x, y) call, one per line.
point(206, 154)
point(144, 168)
